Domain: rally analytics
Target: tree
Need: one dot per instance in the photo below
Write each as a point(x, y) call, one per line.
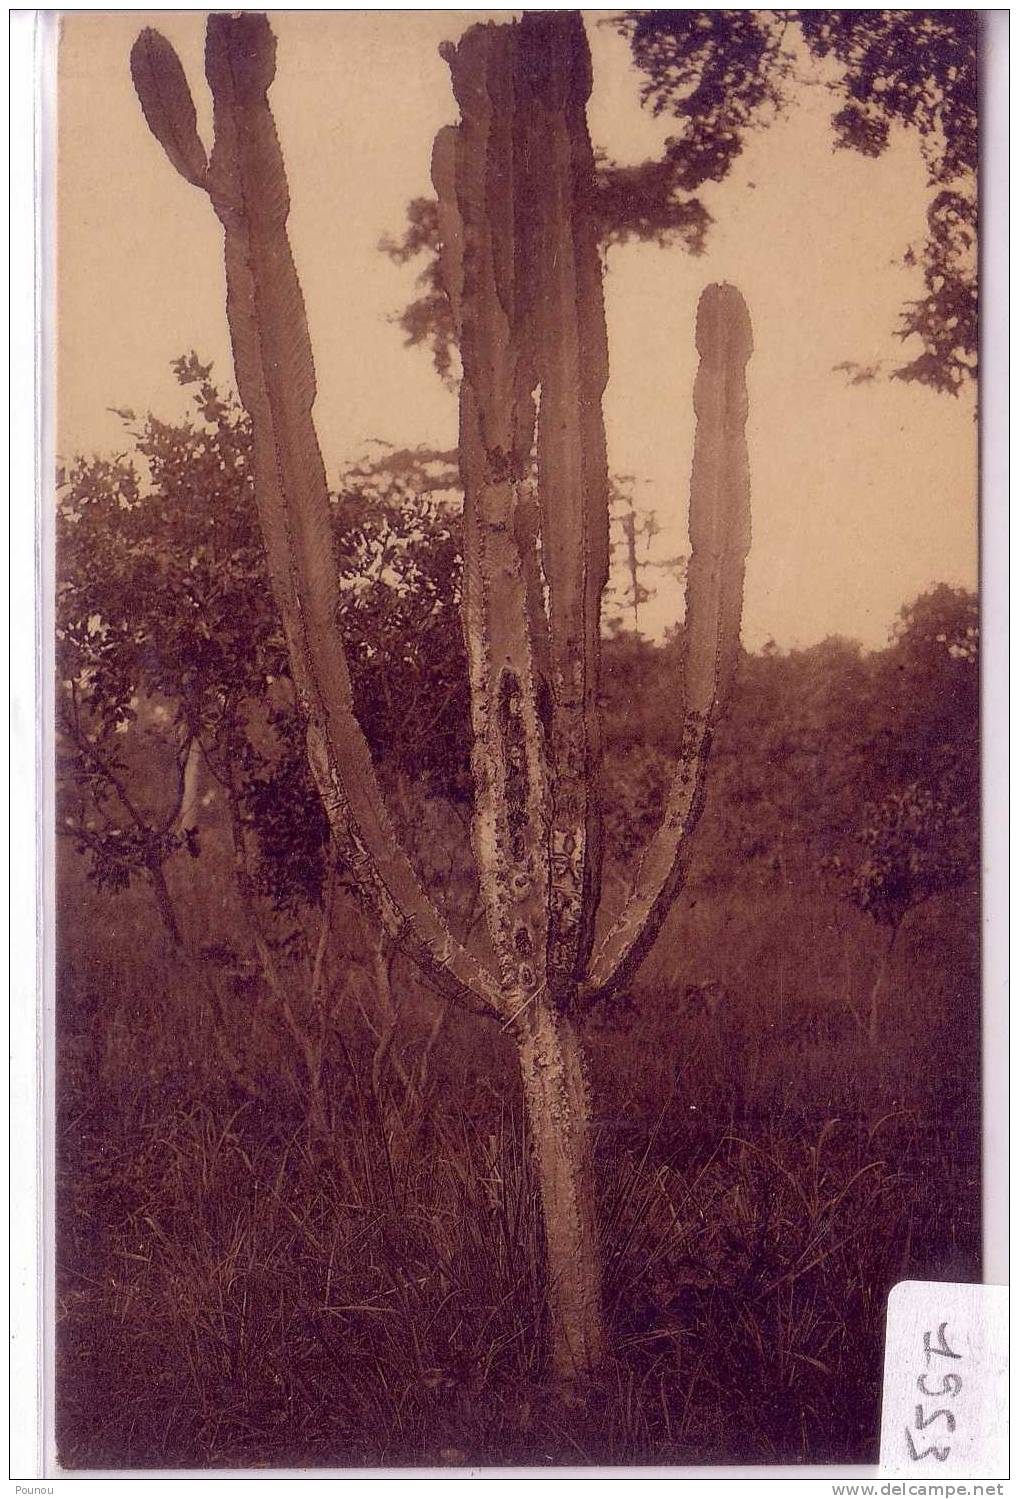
point(520, 266)
point(912, 846)
point(918, 69)
point(153, 608)
point(167, 646)
point(722, 74)
point(918, 836)
point(632, 533)
point(171, 655)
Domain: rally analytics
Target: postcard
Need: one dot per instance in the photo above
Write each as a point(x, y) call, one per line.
point(517, 752)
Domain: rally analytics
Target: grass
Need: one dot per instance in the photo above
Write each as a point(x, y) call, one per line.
point(236, 1290)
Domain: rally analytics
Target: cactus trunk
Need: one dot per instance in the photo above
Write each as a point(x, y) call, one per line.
point(556, 1099)
point(515, 182)
point(520, 264)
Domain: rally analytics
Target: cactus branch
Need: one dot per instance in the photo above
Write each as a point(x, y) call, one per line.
point(247, 184)
point(162, 89)
point(571, 363)
point(720, 541)
point(520, 264)
point(508, 754)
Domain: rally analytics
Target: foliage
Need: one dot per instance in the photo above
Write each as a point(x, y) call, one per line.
point(428, 319)
point(918, 69)
point(630, 203)
point(167, 640)
point(158, 568)
point(921, 836)
point(912, 846)
point(166, 636)
point(815, 742)
point(723, 73)
point(165, 626)
point(715, 71)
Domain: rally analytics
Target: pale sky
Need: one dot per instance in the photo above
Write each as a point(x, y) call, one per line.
point(862, 496)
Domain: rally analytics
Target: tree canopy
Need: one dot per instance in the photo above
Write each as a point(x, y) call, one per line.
point(163, 599)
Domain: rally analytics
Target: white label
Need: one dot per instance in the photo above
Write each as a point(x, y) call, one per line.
point(945, 1400)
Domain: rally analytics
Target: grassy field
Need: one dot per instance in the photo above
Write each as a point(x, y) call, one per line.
point(238, 1286)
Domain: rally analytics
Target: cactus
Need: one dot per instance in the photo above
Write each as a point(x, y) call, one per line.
point(247, 185)
point(720, 542)
point(521, 268)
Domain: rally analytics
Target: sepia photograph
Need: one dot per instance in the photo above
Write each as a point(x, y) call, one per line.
point(517, 731)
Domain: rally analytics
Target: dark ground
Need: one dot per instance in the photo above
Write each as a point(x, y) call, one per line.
point(233, 1291)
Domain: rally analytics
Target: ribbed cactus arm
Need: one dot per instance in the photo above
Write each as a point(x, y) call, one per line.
point(720, 541)
point(520, 264)
point(275, 373)
point(567, 319)
point(471, 166)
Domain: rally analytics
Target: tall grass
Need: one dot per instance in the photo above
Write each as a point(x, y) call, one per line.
point(236, 1289)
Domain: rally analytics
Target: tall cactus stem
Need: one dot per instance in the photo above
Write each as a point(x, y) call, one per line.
point(247, 184)
point(520, 263)
point(720, 541)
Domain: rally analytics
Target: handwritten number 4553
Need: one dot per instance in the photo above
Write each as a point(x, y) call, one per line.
point(951, 1384)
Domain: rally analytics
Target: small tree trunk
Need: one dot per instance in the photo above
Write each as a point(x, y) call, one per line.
point(191, 788)
point(319, 1132)
point(556, 1099)
point(164, 903)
